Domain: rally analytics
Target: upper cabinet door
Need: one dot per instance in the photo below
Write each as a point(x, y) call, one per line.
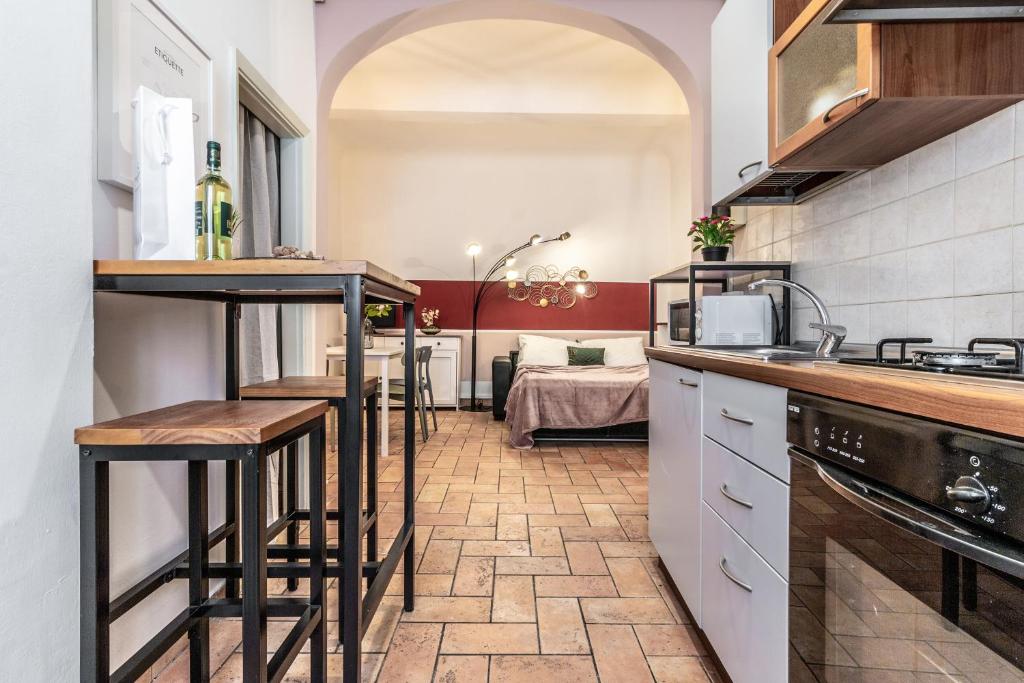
point(741, 36)
point(819, 76)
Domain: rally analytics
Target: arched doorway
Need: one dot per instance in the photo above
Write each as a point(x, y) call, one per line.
point(676, 35)
point(346, 35)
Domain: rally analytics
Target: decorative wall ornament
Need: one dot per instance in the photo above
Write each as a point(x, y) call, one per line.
point(546, 286)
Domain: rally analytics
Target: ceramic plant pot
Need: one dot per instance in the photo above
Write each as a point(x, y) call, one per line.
point(714, 253)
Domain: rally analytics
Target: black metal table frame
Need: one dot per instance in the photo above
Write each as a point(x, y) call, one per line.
point(692, 278)
point(234, 290)
point(292, 550)
point(98, 611)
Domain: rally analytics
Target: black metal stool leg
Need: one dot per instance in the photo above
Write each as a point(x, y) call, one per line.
point(198, 568)
point(318, 549)
point(95, 562)
point(409, 477)
point(291, 495)
point(350, 473)
point(371, 475)
point(254, 565)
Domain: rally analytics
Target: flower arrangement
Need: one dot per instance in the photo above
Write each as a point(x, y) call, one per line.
point(712, 231)
point(712, 235)
point(378, 310)
point(430, 316)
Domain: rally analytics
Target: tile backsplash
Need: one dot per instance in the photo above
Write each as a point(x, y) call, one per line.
point(931, 244)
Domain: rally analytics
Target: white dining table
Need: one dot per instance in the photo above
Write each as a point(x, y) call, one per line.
point(383, 357)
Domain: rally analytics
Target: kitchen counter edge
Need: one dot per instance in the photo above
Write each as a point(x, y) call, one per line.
point(995, 409)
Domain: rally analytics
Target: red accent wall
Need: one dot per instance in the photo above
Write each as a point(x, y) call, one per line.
point(617, 306)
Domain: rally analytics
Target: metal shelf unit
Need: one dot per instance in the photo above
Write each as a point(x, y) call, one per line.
point(720, 273)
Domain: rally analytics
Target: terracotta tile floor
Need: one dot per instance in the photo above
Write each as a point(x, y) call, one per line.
point(532, 566)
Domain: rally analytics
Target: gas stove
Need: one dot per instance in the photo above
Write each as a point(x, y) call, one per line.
point(972, 362)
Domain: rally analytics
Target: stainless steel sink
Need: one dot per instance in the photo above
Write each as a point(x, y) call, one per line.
point(784, 354)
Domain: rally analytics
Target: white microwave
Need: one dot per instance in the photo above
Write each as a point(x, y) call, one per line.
point(734, 319)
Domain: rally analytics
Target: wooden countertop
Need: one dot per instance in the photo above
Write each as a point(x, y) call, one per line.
point(247, 267)
point(990, 405)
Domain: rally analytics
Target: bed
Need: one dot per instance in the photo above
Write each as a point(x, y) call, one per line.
point(548, 401)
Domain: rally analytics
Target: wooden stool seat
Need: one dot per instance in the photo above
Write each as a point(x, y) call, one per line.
point(204, 422)
point(305, 387)
point(201, 432)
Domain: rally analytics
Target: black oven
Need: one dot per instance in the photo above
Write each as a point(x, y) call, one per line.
point(906, 561)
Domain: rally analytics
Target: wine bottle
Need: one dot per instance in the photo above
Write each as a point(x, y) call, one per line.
point(213, 210)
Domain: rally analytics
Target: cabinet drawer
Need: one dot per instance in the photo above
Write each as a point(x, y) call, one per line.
point(754, 503)
point(748, 418)
point(745, 602)
point(448, 343)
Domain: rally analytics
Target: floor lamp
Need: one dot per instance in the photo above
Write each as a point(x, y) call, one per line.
point(486, 282)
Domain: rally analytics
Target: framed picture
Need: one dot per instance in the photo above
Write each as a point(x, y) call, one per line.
point(139, 44)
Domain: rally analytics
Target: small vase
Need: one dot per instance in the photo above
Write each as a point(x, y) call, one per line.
point(368, 332)
point(430, 330)
point(714, 253)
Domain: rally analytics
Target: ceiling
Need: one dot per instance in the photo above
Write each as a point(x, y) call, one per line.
point(509, 66)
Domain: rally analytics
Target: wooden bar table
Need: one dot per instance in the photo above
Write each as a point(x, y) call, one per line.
point(294, 281)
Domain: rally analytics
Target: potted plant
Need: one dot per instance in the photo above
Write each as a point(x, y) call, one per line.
point(712, 235)
point(373, 311)
point(430, 316)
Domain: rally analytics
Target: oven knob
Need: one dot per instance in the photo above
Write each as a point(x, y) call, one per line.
point(971, 494)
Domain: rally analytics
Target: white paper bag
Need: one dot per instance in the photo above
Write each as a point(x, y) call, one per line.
point(164, 222)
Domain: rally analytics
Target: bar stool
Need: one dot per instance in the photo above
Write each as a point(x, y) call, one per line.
point(331, 389)
point(199, 432)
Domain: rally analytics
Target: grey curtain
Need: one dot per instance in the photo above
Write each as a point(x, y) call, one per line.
point(260, 232)
point(259, 204)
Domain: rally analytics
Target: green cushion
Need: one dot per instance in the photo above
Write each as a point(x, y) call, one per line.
point(585, 355)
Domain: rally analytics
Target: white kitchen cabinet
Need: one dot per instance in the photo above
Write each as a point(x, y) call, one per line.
point(741, 36)
point(748, 418)
point(745, 605)
point(444, 365)
point(674, 497)
point(754, 503)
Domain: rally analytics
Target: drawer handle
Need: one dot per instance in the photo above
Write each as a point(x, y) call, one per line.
point(732, 577)
point(687, 383)
point(746, 168)
point(741, 420)
point(826, 117)
point(739, 501)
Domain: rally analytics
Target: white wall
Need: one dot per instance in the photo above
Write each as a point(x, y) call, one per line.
point(931, 244)
point(46, 301)
point(409, 193)
point(156, 352)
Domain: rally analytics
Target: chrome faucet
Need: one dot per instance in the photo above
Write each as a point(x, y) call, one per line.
point(832, 335)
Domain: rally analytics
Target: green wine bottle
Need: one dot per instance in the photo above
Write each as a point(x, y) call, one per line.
point(213, 210)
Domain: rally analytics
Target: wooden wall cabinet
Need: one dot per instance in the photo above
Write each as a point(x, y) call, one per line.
point(855, 96)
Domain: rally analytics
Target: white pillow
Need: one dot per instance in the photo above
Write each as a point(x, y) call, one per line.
point(537, 350)
point(620, 352)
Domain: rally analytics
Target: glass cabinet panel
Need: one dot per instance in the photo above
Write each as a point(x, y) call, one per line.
point(815, 71)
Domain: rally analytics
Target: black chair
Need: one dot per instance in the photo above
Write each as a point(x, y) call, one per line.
point(396, 387)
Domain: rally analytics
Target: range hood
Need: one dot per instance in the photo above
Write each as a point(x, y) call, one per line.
point(777, 188)
point(917, 11)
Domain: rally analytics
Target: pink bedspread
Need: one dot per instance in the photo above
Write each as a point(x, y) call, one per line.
point(574, 397)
